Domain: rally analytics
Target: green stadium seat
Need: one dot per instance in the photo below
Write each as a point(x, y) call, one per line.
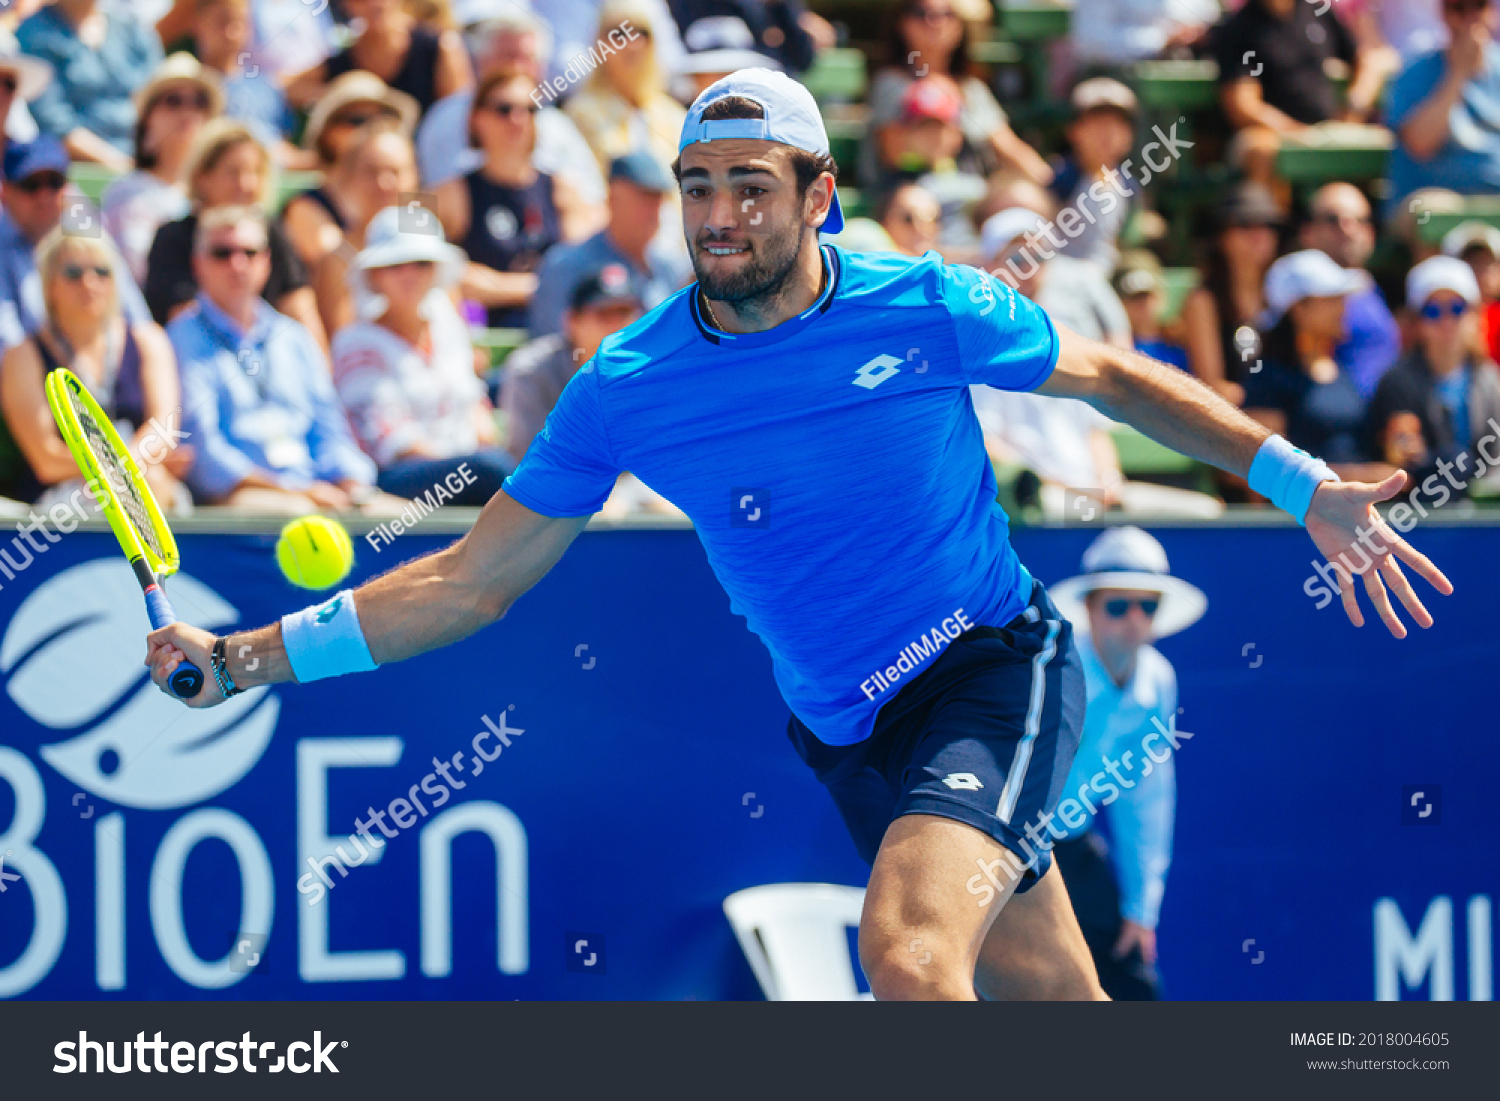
point(997, 52)
point(499, 342)
point(1324, 158)
point(1433, 226)
point(1141, 456)
point(854, 202)
point(1180, 282)
point(1176, 85)
point(1035, 22)
point(838, 76)
point(91, 179)
point(845, 132)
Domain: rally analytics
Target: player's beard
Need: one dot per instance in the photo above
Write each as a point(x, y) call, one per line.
point(758, 283)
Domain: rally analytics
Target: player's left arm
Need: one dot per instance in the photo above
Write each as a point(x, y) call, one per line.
point(1177, 410)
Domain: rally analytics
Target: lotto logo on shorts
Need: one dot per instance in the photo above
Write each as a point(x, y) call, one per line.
point(963, 781)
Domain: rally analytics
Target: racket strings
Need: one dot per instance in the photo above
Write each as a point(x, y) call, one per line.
point(123, 485)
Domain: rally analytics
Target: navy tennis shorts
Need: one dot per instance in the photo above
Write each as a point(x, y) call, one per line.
point(985, 735)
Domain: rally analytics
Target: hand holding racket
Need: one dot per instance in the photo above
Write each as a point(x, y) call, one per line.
point(127, 502)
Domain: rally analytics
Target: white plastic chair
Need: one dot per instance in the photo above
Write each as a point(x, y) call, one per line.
point(795, 937)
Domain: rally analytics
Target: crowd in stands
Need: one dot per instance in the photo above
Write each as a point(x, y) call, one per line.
point(457, 169)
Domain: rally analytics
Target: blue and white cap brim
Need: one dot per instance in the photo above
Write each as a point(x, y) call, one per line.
point(791, 118)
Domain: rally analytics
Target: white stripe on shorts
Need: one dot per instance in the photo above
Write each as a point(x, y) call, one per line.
point(1017, 776)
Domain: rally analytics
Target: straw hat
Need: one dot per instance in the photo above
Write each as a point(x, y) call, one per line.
point(182, 68)
point(358, 86)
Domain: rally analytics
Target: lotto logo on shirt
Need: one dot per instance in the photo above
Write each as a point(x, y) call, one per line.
point(749, 508)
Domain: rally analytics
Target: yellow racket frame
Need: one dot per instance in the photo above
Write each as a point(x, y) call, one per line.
point(58, 382)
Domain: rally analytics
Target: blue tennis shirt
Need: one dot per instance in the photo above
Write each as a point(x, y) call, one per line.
point(833, 466)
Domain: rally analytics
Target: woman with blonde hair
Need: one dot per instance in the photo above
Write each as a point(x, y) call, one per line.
point(227, 167)
point(506, 214)
point(624, 105)
point(173, 106)
point(128, 368)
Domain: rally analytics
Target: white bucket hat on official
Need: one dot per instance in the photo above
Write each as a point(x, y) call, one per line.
point(1129, 558)
point(401, 235)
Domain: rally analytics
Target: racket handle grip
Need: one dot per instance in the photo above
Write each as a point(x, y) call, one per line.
point(187, 678)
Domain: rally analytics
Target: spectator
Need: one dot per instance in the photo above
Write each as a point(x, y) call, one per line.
point(908, 212)
point(1478, 245)
point(227, 167)
point(783, 30)
point(604, 302)
point(717, 46)
point(1272, 73)
point(173, 106)
point(1124, 600)
point(22, 79)
point(410, 58)
point(1118, 32)
point(1445, 108)
point(285, 36)
point(405, 369)
point(624, 105)
point(35, 196)
point(929, 41)
point(1219, 318)
point(579, 26)
point(221, 35)
point(1100, 134)
point(1299, 390)
point(515, 39)
point(924, 144)
point(1138, 282)
point(637, 187)
point(505, 214)
point(99, 59)
point(1066, 443)
point(128, 368)
point(378, 168)
point(266, 424)
point(315, 220)
point(1443, 395)
point(1341, 224)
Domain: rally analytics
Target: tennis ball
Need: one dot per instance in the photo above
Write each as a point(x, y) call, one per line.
point(315, 552)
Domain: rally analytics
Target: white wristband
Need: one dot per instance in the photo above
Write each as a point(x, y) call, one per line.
point(1288, 475)
point(325, 640)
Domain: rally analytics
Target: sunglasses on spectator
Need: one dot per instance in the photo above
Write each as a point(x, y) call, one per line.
point(1120, 607)
point(934, 16)
point(1328, 218)
point(1465, 7)
point(176, 101)
point(9, 83)
point(74, 273)
point(356, 119)
point(43, 181)
point(628, 31)
point(1433, 311)
point(229, 252)
point(509, 110)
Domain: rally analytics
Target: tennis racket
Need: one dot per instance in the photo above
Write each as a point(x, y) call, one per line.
point(126, 499)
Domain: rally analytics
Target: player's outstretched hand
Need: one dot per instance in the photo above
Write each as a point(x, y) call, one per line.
point(1354, 539)
point(170, 646)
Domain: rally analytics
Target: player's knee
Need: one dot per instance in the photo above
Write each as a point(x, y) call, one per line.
point(916, 969)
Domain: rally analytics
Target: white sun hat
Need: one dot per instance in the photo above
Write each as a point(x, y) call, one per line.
point(401, 235)
point(1129, 558)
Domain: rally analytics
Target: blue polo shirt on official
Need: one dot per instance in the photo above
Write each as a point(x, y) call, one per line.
point(833, 466)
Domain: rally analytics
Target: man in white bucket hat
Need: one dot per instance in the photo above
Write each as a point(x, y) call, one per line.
point(808, 408)
point(1124, 600)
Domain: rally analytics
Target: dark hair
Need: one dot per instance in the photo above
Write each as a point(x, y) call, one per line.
point(960, 65)
point(886, 198)
point(808, 166)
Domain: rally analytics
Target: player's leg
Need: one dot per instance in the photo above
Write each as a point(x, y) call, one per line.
point(922, 929)
point(1035, 951)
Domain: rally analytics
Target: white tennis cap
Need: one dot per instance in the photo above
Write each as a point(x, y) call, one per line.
point(791, 118)
point(1441, 273)
point(1001, 229)
point(1310, 273)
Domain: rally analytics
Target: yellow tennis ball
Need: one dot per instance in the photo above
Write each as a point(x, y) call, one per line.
point(315, 552)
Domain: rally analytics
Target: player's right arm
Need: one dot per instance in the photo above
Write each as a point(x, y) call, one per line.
point(427, 603)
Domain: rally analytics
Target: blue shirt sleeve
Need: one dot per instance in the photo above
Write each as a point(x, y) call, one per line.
point(568, 470)
point(1005, 340)
point(1413, 86)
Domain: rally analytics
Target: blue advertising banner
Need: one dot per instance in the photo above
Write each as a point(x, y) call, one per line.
point(558, 807)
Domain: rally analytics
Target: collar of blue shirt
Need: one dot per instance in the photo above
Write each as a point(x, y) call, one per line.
point(229, 331)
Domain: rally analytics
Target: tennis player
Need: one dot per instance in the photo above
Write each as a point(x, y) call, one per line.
point(808, 408)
